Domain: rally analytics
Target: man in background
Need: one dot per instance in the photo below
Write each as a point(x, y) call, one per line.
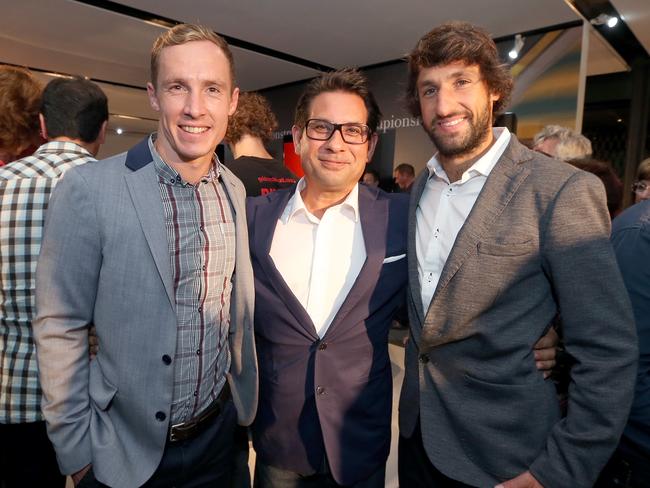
point(629, 467)
point(249, 129)
point(404, 175)
point(562, 143)
point(73, 117)
point(370, 177)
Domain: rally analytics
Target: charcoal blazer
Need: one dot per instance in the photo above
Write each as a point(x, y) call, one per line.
point(332, 395)
point(534, 244)
point(105, 261)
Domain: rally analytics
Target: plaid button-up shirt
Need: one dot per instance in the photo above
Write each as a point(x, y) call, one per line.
point(201, 242)
point(25, 188)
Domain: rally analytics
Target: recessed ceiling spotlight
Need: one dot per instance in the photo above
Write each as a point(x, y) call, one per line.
point(119, 131)
point(519, 44)
point(604, 19)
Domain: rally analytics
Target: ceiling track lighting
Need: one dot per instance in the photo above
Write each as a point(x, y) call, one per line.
point(516, 49)
point(605, 19)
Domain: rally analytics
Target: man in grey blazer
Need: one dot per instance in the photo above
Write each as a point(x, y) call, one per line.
point(144, 246)
point(501, 239)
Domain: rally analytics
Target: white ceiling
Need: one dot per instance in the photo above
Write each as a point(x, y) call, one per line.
point(67, 36)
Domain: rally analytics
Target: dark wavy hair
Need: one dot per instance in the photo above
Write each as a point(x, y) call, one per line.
point(20, 99)
point(253, 117)
point(459, 41)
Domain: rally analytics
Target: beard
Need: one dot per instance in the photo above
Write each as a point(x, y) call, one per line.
point(464, 143)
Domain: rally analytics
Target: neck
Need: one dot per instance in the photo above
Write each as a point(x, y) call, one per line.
point(455, 166)
point(318, 201)
point(91, 147)
point(190, 171)
point(249, 146)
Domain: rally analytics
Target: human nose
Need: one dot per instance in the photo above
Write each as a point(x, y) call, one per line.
point(194, 104)
point(445, 102)
point(336, 142)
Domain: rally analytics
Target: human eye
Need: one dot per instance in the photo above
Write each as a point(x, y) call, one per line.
point(214, 90)
point(175, 88)
point(320, 126)
point(353, 130)
point(429, 91)
point(462, 82)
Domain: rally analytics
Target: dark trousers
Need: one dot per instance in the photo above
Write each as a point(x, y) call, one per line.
point(414, 468)
point(203, 461)
point(629, 467)
point(27, 457)
point(271, 477)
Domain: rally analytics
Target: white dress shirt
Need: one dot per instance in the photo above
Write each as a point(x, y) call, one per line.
point(319, 259)
point(443, 209)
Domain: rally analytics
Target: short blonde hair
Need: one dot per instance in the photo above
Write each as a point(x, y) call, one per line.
point(182, 34)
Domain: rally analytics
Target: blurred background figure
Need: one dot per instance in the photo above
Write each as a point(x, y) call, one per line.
point(370, 177)
point(404, 175)
point(20, 96)
point(641, 186)
point(73, 117)
point(562, 143)
point(611, 181)
point(249, 128)
point(629, 466)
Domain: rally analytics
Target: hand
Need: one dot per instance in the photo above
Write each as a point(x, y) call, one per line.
point(524, 480)
point(76, 477)
point(93, 343)
point(545, 352)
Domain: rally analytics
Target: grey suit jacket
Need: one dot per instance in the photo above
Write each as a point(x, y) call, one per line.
point(534, 244)
point(105, 261)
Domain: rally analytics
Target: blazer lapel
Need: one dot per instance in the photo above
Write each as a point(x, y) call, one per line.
point(373, 215)
point(414, 279)
point(266, 218)
point(501, 185)
point(145, 194)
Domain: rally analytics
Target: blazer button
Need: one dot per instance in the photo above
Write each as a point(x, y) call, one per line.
point(320, 390)
point(166, 359)
point(424, 358)
point(161, 416)
point(322, 346)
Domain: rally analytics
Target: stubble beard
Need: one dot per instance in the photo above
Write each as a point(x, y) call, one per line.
point(454, 147)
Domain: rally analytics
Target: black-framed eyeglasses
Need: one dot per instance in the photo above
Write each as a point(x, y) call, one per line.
point(639, 186)
point(322, 130)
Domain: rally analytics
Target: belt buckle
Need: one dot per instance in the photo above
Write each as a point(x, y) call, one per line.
point(172, 434)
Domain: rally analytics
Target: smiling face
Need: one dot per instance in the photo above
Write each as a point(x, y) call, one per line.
point(456, 108)
point(194, 96)
point(334, 166)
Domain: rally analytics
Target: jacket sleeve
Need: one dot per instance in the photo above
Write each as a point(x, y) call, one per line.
point(598, 332)
point(66, 285)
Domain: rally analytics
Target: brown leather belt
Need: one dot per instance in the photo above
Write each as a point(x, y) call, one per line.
point(191, 428)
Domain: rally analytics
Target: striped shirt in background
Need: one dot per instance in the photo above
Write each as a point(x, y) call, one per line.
point(25, 188)
point(201, 240)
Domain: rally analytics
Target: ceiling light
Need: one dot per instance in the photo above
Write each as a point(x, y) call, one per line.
point(604, 19)
point(519, 44)
point(119, 131)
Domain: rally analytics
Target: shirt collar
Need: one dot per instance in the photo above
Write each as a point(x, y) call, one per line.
point(170, 176)
point(296, 205)
point(482, 166)
point(59, 147)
